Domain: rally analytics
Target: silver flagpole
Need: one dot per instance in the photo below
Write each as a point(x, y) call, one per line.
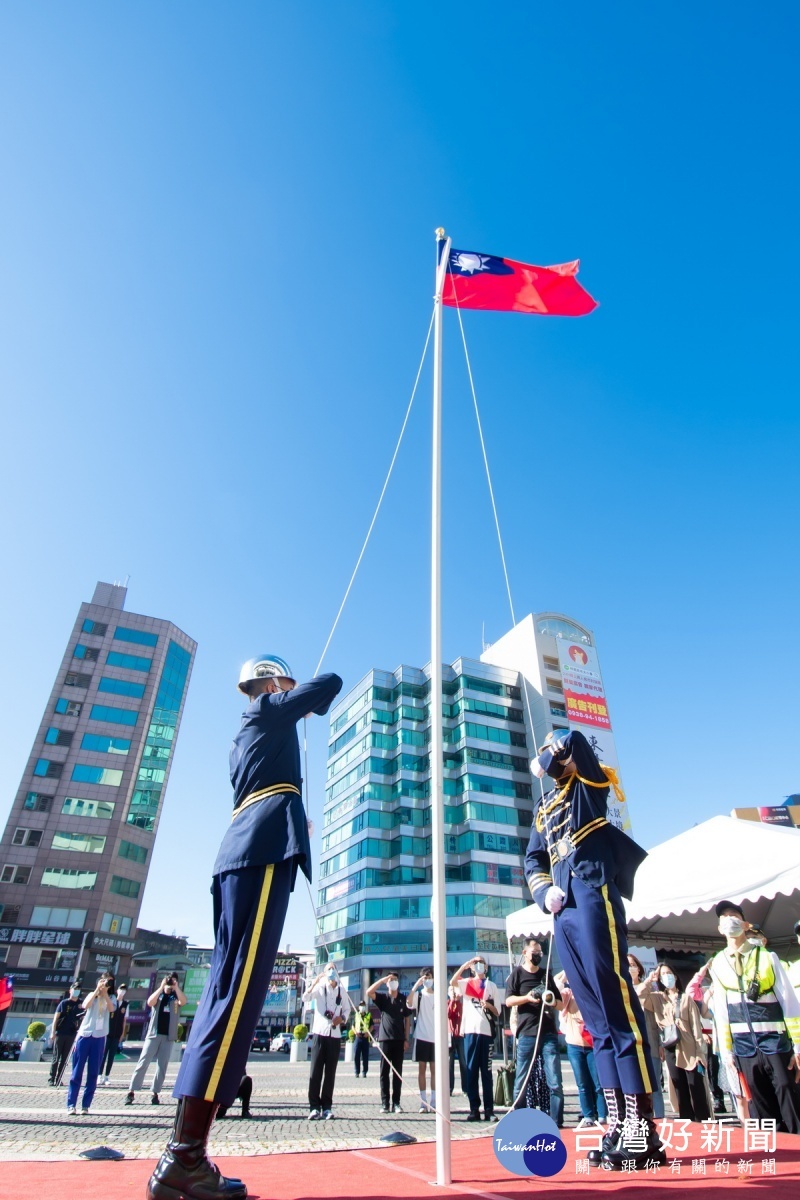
point(438, 911)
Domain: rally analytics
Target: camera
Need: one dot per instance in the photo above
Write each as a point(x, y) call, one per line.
point(328, 1015)
point(753, 991)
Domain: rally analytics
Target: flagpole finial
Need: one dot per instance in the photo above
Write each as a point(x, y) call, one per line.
point(440, 234)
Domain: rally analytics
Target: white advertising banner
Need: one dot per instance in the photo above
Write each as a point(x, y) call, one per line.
point(587, 710)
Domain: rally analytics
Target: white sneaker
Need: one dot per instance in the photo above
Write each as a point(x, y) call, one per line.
point(314, 1115)
point(588, 1123)
point(72, 1110)
point(328, 1114)
point(106, 1081)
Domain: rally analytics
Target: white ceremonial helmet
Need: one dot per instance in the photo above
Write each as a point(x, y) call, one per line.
point(265, 666)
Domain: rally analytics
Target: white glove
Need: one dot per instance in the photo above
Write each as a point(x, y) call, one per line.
point(554, 899)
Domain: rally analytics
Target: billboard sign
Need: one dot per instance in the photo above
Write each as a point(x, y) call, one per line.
point(193, 986)
point(587, 710)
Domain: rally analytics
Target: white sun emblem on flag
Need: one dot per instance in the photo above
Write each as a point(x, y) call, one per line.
point(468, 263)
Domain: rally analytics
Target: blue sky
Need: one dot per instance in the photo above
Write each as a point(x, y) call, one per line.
point(216, 277)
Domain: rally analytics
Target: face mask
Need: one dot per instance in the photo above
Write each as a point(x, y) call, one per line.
point(480, 970)
point(74, 994)
point(535, 959)
point(730, 926)
point(668, 980)
point(393, 985)
point(362, 1008)
point(755, 941)
point(428, 984)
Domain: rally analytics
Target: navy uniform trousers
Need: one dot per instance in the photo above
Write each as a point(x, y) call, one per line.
point(250, 906)
point(592, 941)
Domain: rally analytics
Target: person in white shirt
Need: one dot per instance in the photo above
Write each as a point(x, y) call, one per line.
point(480, 1002)
point(331, 1010)
point(421, 1001)
point(87, 1053)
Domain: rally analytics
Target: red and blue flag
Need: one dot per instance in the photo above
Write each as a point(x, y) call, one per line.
point(485, 281)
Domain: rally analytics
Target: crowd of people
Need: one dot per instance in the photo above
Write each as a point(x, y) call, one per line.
point(87, 1033)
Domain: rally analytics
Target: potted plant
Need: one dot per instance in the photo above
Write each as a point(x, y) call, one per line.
point(299, 1047)
point(33, 1043)
point(350, 1045)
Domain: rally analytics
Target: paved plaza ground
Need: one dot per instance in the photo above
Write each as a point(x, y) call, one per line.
point(34, 1123)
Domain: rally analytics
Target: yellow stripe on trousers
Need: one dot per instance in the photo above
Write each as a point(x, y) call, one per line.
point(626, 1000)
point(241, 990)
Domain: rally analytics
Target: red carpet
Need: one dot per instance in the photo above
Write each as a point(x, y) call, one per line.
point(404, 1173)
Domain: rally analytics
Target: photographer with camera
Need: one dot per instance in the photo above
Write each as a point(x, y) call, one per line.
point(536, 999)
point(479, 1013)
point(87, 1053)
point(331, 1009)
point(165, 1005)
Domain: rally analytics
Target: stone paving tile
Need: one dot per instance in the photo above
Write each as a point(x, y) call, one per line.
point(34, 1123)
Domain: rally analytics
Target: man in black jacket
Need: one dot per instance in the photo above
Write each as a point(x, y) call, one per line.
point(68, 1017)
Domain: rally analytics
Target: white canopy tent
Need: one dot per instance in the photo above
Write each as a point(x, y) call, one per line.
point(682, 879)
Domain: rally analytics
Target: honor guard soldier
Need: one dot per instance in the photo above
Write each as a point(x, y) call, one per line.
point(578, 867)
point(253, 878)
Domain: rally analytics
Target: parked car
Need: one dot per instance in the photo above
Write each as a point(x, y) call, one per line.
point(261, 1040)
point(282, 1043)
point(10, 1050)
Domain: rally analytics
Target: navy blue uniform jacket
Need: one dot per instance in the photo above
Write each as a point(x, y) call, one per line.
point(601, 854)
point(266, 753)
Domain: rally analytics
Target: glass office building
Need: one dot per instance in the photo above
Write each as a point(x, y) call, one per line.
point(78, 842)
point(375, 870)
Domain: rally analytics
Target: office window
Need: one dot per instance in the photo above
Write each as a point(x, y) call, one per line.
point(102, 744)
point(48, 769)
point(557, 710)
point(27, 837)
point(114, 923)
point(9, 914)
point(73, 679)
point(133, 852)
point(74, 806)
point(131, 662)
point(58, 918)
point(37, 802)
point(66, 877)
point(125, 887)
point(121, 634)
point(58, 737)
point(98, 628)
point(69, 708)
point(13, 873)
point(89, 653)
point(85, 843)
point(114, 716)
point(83, 773)
point(120, 687)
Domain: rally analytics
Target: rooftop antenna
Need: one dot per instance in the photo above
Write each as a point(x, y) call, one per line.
point(484, 644)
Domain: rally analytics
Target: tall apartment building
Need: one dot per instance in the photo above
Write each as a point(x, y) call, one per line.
point(77, 846)
point(375, 871)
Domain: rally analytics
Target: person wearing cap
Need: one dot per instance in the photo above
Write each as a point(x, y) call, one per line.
point(757, 1017)
point(253, 877)
point(579, 867)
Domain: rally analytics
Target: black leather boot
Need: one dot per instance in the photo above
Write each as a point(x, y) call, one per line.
point(615, 1103)
point(639, 1142)
point(184, 1171)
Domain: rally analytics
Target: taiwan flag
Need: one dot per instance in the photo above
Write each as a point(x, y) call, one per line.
point(484, 281)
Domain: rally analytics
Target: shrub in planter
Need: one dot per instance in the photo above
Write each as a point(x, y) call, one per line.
point(300, 1032)
point(351, 1035)
point(36, 1031)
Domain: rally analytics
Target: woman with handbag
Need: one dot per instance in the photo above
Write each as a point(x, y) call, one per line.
point(681, 1035)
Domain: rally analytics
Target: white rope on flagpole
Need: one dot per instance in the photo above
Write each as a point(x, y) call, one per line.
point(380, 498)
